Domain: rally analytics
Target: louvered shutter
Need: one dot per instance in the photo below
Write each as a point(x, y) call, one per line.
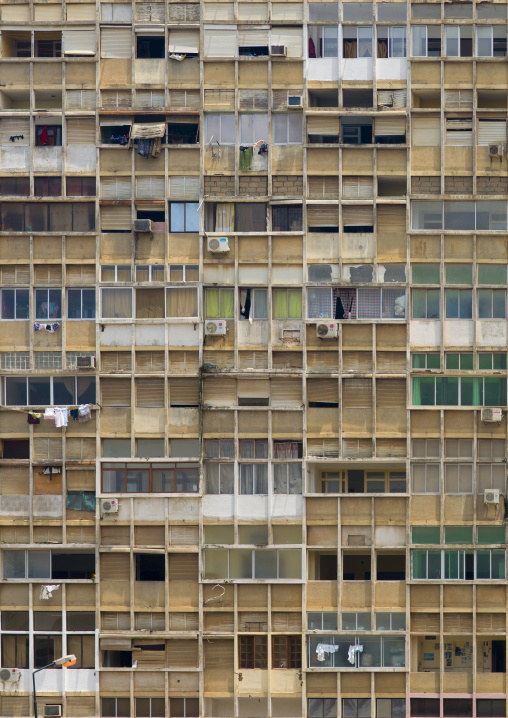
point(150, 361)
point(357, 187)
point(183, 41)
point(285, 392)
point(357, 361)
point(323, 447)
point(116, 12)
point(322, 215)
point(426, 132)
point(116, 42)
point(182, 653)
point(253, 99)
point(322, 125)
point(356, 448)
point(391, 393)
point(50, 12)
point(183, 567)
point(184, 361)
point(149, 535)
point(219, 391)
point(48, 274)
point(116, 99)
point(458, 99)
point(184, 392)
point(116, 392)
point(80, 99)
point(386, 448)
point(249, 36)
point(116, 218)
point(324, 391)
point(249, 360)
point(80, 12)
point(491, 132)
point(219, 623)
point(184, 187)
point(391, 219)
point(150, 187)
point(184, 12)
point(183, 621)
point(80, 131)
point(78, 42)
point(253, 388)
point(253, 621)
point(287, 11)
point(15, 481)
point(459, 132)
point(286, 622)
point(14, 126)
point(150, 98)
point(291, 37)
point(150, 622)
point(219, 654)
point(391, 361)
point(185, 99)
point(224, 99)
point(357, 393)
point(115, 535)
point(150, 12)
point(80, 273)
point(357, 215)
point(116, 361)
point(392, 98)
point(116, 188)
point(220, 41)
point(323, 187)
point(425, 622)
point(389, 126)
point(218, 11)
point(150, 392)
point(14, 274)
point(115, 566)
point(323, 361)
point(183, 535)
point(115, 621)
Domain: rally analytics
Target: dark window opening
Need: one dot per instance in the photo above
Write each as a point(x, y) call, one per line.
point(434, 47)
point(253, 51)
point(459, 707)
point(250, 217)
point(22, 48)
point(116, 707)
point(326, 567)
point(391, 187)
point(356, 567)
point(48, 135)
point(389, 139)
point(358, 228)
point(357, 133)
point(46, 650)
point(183, 133)
point(47, 217)
point(150, 567)
point(323, 139)
point(149, 47)
point(116, 659)
point(355, 481)
point(425, 708)
point(80, 186)
point(115, 134)
point(151, 214)
point(323, 98)
point(72, 565)
point(498, 656)
point(253, 401)
point(287, 218)
point(391, 567)
point(47, 186)
point(499, 49)
point(15, 186)
point(48, 48)
point(466, 47)
point(357, 98)
point(15, 449)
point(490, 707)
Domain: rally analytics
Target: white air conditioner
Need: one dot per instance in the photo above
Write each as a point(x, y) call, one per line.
point(85, 362)
point(109, 506)
point(490, 415)
point(218, 245)
point(278, 50)
point(143, 225)
point(10, 675)
point(52, 711)
point(295, 101)
point(491, 496)
point(215, 328)
point(497, 150)
point(327, 330)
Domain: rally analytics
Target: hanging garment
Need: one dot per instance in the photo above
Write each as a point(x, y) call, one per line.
point(44, 137)
point(246, 158)
point(155, 147)
point(61, 417)
point(323, 648)
point(144, 148)
point(74, 412)
point(34, 417)
point(47, 591)
point(312, 48)
point(85, 413)
point(37, 326)
point(52, 327)
point(352, 650)
point(50, 414)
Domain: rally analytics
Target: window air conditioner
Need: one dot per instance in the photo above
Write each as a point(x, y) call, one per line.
point(327, 330)
point(109, 506)
point(85, 362)
point(143, 225)
point(218, 245)
point(278, 50)
point(216, 328)
point(295, 101)
point(491, 496)
point(52, 711)
point(490, 415)
point(497, 150)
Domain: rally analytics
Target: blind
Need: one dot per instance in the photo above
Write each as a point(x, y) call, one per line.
point(150, 98)
point(357, 361)
point(390, 126)
point(459, 132)
point(116, 188)
point(324, 125)
point(391, 392)
point(391, 218)
point(323, 391)
point(357, 215)
point(323, 187)
point(80, 131)
point(184, 535)
point(491, 132)
point(116, 218)
point(220, 42)
point(184, 392)
point(182, 41)
point(253, 99)
point(116, 42)
point(149, 361)
point(183, 187)
point(115, 621)
point(426, 132)
point(116, 392)
point(323, 447)
point(150, 187)
point(391, 361)
point(323, 361)
point(291, 37)
point(356, 393)
point(80, 12)
point(357, 187)
point(183, 567)
point(458, 99)
point(253, 388)
point(219, 391)
point(187, 99)
point(80, 99)
point(14, 126)
point(150, 392)
point(77, 273)
point(286, 392)
point(385, 448)
point(320, 215)
point(149, 536)
point(249, 36)
point(115, 567)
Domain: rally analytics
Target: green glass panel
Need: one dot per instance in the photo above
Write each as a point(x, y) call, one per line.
point(459, 273)
point(425, 534)
point(452, 361)
point(425, 273)
point(492, 274)
point(458, 534)
point(491, 534)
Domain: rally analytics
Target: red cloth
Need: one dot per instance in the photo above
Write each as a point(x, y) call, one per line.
point(44, 136)
point(312, 48)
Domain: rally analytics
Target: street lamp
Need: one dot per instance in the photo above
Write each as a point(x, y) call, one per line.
point(63, 661)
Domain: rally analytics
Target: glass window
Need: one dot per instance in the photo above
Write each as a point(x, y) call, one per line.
point(426, 303)
point(81, 303)
point(15, 304)
point(429, 360)
point(425, 478)
point(287, 304)
point(253, 127)
point(462, 360)
point(459, 303)
point(287, 128)
point(184, 216)
point(491, 304)
point(357, 12)
point(458, 478)
point(491, 361)
point(219, 303)
point(116, 303)
point(182, 302)
point(425, 534)
point(492, 274)
point(220, 128)
point(458, 534)
point(491, 534)
point(459, 273)
point(48, 304)
point(425, 273)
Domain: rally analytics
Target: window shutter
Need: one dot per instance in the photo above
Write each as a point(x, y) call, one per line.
point(47, 12)
point(323, 391)
point(183, 535)
point(182, 41)
point(356, 448)
point(391, 219)
point(184, 12)
point(219, 391)
point(80, 274)
point(150, 393)
point(116, 99)
point(253, 388)
point(182, 653)
point(149, 535)
point(183, 621)
point(15, 13)
point(253, 99)
point(386, 448)
point(323, 447)
point(116, 188)
point(116, 392)
point(389, 126)
point(286, 392)
point(357, 215)
point(184, 187)
point(150, 12)
point(80, 12)
point(218, 11)
point(491, 132)
point(224, 99)
point(252, 11)
point(80, 131)
point(15, 481)
point(14, 126)
point(357, 393)
point(116, 42)
point(323, 187)
point(459, 132)
point(391, 98)
point(116, 361)
point(322, 215)
point(323, 361)
point(184, 392)
point(183, 362)
point(357, 361)
point(458, 99)
point(45, 448)
point(317, 125)
point(149, 361)
point(219, 622)
point(220, 41)
point(115, 621)
point(426, 132)
point(391, 361)
point(291, 37)
point(185, 99)
point(115, 567)
point(80, 99)
point(14, 274)
point(116, 12)
point(79, 42)
point(48, 274)
point(357, 187)
point(150, 98)
point(116, 218)
point(150, 187)
point(219, 654)
point(391, 393)
point(183, 567)
point(287, 11)
point(249, 36)
point(250, 360)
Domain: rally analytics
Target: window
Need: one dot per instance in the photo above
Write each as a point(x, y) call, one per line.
point(81, 303)
point(150, 272)
point(48, 304)
point(287, 304)
point(425, 534)
point(15, 651)
point(219, 478)
point(491, 41)
point(390, 621)
point(116, 273)
point(490, 707)
point(157, 478)
point(491, 449)
point(321, 707)
point(220, 129)
point(253, 304)
point(327, 12)
point(390, 708)
point(491, 304)
point(287, 478)
point(356, 622)
point(48, 135)
point(253, 478)
point(322, 621)
point(15, 304)
point(429, 360)
point(286, 651)
point(220, 534)
point(287, 128)
point(425, 478)
point(253, 651)
point(179, 707)
point(356, 707)
point(459, 448)
point(80, 186)
point(182, 302)
point(425, 707)
point(253, 127)
point(246, 563)
point(459, 391)
point(48, 564)
point(459, 303)
point(491, 274)
point(250, 216)
point(22, 48)
point(150, 567)
point(459, 215)
point(115, 707)
point(183, 272)
point(426, 39)
point(426, 303)
point(184, 217)
point(323, 40)
point(83, 647)
point(47, 186)
point(219, 303)
point(15, 186)
point(287, 218)
point(459, 132)
point(456, 360)
point(116, 303)
point(458, 534)
point(149, 47)
point(461, 565)
point(491, 476)
point(357, 42)
point(49, 391)
point(223, 448)
point(381, 651)
point(425, 273)
point(458, 40)
point(391, 42)
point(46, 649)
point(48, 48)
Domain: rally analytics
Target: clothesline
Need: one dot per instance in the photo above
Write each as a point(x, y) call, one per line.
point(60, 415)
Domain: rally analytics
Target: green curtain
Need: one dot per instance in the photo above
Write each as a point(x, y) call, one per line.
point(417, 391)
point(212, 304)
point(295, 304)
point(227, 300)
point(280, 309)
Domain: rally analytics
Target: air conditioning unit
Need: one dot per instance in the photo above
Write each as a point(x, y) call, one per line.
point(327, 330)
point(491, 496)
point(490, 415)
point(52, 711)
point(109, 506)
point(10, 675)
point(497, 150)
point(295, 101)
point(143, 225)
point(216, 328)
point(218, 245)
point(278, 50)
point(85, 362)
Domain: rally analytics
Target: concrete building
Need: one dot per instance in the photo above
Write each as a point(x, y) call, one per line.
point(267, 244)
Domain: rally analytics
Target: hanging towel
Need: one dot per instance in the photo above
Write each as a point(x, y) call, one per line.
point(84, 413)
point(246, 158)
point(323, 648)
point(61, 417)
point(352, 651)
point(50, 414)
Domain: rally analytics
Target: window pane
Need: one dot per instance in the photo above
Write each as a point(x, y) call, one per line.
point(39, 564)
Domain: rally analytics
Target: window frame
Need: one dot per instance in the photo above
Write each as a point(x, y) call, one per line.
point(52, 379)
point(211, 139)
point(91, 290)
point(277, 127)
point(172, 468)
point(253, 652)
point(15, 290)
point(287, 652)
point(188, 207)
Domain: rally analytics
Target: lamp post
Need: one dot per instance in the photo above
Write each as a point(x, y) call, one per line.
point(63, 661)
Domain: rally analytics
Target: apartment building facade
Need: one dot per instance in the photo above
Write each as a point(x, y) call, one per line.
point(253, 274)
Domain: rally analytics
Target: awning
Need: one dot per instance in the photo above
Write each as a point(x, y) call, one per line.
point(155, 129)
